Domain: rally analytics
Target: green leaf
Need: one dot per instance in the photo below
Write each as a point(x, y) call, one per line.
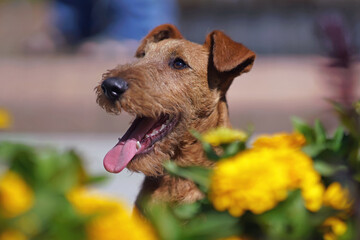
point(327, 169)
point(95, 179)
point(187, 211)
point(286, 221)
point(320, 133)
point(314, 150)
point(163, 220)
point(199, 175)
point(348, 117)
point(303, 128)
point(232, 149)
point(19, 158)
point(338, 138)
point(356, 177)
point(211, 226)
point(209, 151)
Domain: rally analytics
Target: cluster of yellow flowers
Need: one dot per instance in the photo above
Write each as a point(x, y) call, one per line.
point(334, 227)
point(259, 178)
point(111, 220)
point(337, 198)
point(16, 197)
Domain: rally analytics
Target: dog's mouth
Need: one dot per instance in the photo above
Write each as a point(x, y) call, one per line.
point(140, 138)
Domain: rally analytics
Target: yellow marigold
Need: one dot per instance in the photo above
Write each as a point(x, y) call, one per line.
point(309, 180)
point(112, 220)
point(249, 181)
point(312, 195)
point(5, 119)
point(337, 197)
point(287, 140)
point(16, 197)
point(223, 135)
point(12, 235)
point(334, 227)
point(258, 179)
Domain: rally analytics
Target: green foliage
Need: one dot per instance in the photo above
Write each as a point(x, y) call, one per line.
point(51, 175)
point(196, 221)
point(336, 158)
point(199, 175)
point(228, 150)
point(338, 154)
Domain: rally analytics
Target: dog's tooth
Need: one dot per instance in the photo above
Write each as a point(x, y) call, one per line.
point(138, 145)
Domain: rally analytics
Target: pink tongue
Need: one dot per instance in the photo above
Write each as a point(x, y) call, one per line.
point(120, 155)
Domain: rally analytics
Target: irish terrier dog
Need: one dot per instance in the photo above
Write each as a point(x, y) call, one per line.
point(175, 85)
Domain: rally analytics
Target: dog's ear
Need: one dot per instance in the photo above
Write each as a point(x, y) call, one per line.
point(158, 34)
point(227, 59)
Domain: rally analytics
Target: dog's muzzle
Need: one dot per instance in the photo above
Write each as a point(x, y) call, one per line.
point(113, 88)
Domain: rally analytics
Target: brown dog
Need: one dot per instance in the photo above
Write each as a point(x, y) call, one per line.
point(175, 85)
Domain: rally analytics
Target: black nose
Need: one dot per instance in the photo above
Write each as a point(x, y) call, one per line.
point(113, 88)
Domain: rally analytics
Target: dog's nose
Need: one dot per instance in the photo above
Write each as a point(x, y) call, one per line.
point(113, 88)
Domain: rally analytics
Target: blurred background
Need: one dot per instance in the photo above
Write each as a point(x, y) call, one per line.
point(53, 53)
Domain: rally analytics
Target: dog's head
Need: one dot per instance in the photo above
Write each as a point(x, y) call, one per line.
point(175, 85)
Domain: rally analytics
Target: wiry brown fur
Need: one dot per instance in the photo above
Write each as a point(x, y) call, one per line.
point(195, 94)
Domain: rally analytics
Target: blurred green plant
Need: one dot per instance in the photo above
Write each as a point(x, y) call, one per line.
point(303, 185)
point(43, 196)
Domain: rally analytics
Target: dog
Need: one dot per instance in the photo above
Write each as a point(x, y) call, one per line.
point(174, 85)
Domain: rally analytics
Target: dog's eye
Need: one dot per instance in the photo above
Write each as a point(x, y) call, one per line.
point(140, 54)
point(178, 64)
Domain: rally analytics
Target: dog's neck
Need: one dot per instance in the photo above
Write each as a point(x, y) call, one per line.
point(179, 190)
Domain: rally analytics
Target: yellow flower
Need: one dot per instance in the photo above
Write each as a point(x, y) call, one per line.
point(5, 119)
point(337, 197)
point(312, 195)
point(12, 235)
point(334, 227)
point(16, 197)
point(112, 221)
point(259, 178)
point(293, 140)
point(302, 172)
point(223, 135)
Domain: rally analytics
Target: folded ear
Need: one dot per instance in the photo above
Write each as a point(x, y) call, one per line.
point(158, 34)
point(227, 59)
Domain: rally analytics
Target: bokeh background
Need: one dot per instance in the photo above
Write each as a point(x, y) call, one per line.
point(53, 53)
